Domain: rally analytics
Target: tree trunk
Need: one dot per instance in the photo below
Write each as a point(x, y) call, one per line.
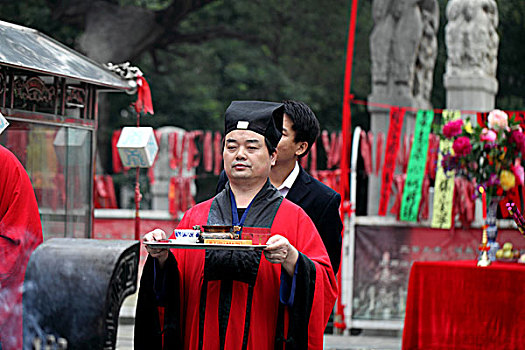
point(116, 34)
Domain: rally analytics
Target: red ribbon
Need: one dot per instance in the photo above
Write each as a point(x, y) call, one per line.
point(104, 192)
point(424, 204)
point(392, 147)
point(464, 201)
point(173, 144)
point(379, 150)
point(366, 152)
point(151, 169)
point(304, 161)
point(218, 153)
point(174, 206)
point(313, 160)
point(433, 152)
point(207, 152)
point(325, 138)
point(404, 152)
point(143, 103)
point(399, 185)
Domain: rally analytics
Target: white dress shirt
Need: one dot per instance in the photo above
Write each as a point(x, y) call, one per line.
point(289, 181)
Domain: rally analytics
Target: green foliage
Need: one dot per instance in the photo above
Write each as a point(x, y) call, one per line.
point(270, 50)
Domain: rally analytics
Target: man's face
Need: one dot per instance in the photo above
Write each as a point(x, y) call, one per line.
point(246, 156)
point(288, 149)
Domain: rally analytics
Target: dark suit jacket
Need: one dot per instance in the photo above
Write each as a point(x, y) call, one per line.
point(321, 203)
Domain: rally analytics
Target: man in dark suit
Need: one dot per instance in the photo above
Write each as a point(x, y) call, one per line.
point(320, 202)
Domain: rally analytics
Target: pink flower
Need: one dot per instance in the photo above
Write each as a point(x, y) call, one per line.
point(498, 119)
point(488, 135)
point(519, 173)
point(452, 128)
point(519, 139)
point(462, 146)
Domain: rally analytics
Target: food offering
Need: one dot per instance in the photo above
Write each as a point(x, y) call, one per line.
point(508, 253)
point(216, 237)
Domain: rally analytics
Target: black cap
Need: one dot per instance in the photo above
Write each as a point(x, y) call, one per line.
point(265, 118)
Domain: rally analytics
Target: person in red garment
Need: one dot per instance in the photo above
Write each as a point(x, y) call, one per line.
point(20, 234)
point(280, 298)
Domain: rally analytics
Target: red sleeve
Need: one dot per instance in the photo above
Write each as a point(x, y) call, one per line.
point(303, 235)
point(20, 234)
point(20, 227)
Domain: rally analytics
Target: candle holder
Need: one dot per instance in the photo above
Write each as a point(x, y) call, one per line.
point(484, 260)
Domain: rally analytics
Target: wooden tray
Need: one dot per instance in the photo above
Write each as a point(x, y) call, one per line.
point(173, 244)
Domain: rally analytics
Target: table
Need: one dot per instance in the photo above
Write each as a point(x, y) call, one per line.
point(457, 305)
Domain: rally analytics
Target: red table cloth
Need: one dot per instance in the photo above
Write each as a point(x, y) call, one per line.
point(457, 305)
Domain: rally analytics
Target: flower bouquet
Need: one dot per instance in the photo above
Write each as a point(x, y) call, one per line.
point(489, 157)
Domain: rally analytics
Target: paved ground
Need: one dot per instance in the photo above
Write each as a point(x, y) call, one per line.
point(332, 342)
point(366, 341)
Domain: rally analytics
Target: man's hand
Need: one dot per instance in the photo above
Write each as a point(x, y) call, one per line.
point(161, 254)
point(280, 251)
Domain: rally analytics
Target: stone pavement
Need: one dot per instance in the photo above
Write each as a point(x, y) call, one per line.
point(365, 341)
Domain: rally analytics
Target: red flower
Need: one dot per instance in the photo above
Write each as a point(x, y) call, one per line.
point(519, 139)
point(452, 128)
point(462, 146)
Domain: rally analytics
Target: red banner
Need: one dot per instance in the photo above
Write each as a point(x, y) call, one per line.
point(392, 147)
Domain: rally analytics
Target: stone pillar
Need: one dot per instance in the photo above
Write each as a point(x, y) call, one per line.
point(403, 47)
point(472, 49)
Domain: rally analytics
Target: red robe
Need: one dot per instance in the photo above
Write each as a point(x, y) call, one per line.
point(302, 324)
point(20, 234)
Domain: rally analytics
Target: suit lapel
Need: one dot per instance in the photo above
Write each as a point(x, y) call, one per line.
point(299, 188)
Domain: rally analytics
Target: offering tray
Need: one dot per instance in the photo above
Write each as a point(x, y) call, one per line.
point(175, 244)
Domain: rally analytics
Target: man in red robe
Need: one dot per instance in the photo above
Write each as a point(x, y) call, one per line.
point(20, 234)
point(280, 298)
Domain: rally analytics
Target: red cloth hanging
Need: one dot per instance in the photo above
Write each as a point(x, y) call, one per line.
point(379, 150)
point(338, 148)
point(151, 169)
point(208, 152)
point(104, 192)
point(184, 145)
point(481, 118)
point(173, 144)
point(424, 203)
point(325, 137)
point(370, 138)
point(519, 116)
point(143, 103)
point(184, 194)
point(190, 198)
point(433, 152)
point(193, 150)
point(464, 204)
point(217, 149)
point(366, 152)
point(172, 197)
point(116, 162)
point(313, 159)
point(399, 185)
point(304, 162)
point(404, 153)
point(334, 153)
point(410, 140)
point(17, 141)
point(392, 147)
point(401, 152)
